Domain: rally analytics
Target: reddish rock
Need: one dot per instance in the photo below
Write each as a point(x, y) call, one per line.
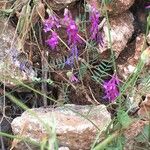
point(121, 30)
point(129, 57)
point(114, 7)
point(144, 111)
point(60, 4)
point(72, 129)
point(132, 132)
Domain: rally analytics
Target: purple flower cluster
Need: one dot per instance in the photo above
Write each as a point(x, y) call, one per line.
point(111, 88)
point(72, 28)
point(73, 38)
point(74, 55)
point(49, 24)
point(72, 31)
point(94, 17)
point(53, 40)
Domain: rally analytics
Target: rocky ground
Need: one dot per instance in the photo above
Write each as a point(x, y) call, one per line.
point(44, 98)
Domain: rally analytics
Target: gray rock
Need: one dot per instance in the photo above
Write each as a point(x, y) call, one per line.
point(9, 64)
point(72, 129)
point(121, 30)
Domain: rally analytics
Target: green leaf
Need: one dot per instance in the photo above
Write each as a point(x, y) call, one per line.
point(58, 63)
point(107, 1)
point(7, 11)
point(102, 70)
point(82, 70)
point(143, 136)
point(117, 144)
point(148, 20)
point(124, 118)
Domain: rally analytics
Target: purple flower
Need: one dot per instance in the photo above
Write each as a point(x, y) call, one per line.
point(94, 17)
point(53, 40)
point(72, 77)
point(70, 60)
point(22, 66)
point(72, 28)
point(72, 31)
point(73, 38)
point(50, 23)
point(67, 16)
point(147, 7)
point(73, 55)
point(74, 51)
point(111, 89)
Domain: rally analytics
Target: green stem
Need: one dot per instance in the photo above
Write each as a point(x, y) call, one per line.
point(104, 143)
point(109, 36)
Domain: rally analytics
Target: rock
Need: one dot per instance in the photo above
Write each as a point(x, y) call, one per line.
point(72, 129)
point(119, 6)
point(144, 110)
point(6, 128)
point(129, 57)
point(2, 5)
point(9, 69)
point(63, 148)
point(5, 6)
point(114, 7)
point(126, 64)
point(60, 4)
point(132, 132)
point(121, 31)
point(148, 38)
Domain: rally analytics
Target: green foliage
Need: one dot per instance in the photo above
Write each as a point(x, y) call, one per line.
point(143, 136)
point(123, 118)
point(107, 1)
point(99, 72)
point(6, 12)
point(82, 70)
point(38, 80)
point(24, 18)
point(117, 144)
point(148, 21)
point(102, 70)
point(65, 92)
point(82, 18)
point(58, 63)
